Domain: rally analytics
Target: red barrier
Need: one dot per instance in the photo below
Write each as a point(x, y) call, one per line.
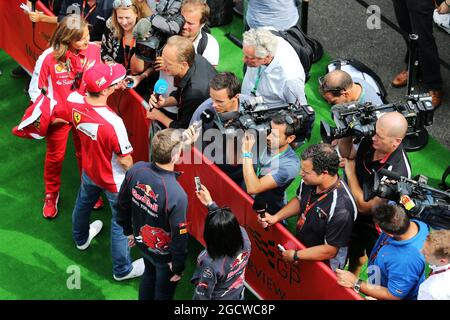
point(267, 274)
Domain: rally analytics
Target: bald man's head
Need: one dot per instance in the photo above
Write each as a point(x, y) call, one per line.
point(338, 79)
point(395, 124)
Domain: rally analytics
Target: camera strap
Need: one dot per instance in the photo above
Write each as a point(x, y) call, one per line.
point(383, 242)
point(258, 78)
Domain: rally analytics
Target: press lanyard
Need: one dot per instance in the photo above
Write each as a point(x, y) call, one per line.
point(258, 78)
point(127, 53)
point(50, 5)
point(384, 242)
point(258, 169)
point(90, 10)
point(309, 206)
point(368, 170)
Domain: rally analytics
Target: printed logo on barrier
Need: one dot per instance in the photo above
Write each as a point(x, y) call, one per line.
point(269, 269)
point(156, 239)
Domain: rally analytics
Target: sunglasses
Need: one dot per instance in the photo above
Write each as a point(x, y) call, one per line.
point(122, 4)
point(324, 88)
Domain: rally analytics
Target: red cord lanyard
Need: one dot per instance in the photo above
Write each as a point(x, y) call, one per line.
point(367, 169)
point(127, 53)
point(309, 206)
point(90, 10)
point(382, 244)
point(50, 5)
point(440, 271)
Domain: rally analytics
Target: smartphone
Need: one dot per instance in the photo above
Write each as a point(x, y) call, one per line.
point(281, 248)
point(130, 82)
point(198, 184)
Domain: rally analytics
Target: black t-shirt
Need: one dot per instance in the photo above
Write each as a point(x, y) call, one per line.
point(192, 90)
point(329, 220)
point(96, 18)
point(53, 5)
point(397, 162)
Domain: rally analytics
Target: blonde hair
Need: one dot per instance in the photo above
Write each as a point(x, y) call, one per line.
point(185, 49)
point(143, 7)
point(439, 243)
point(69, 30)
point(193, 5)
point(116, 28)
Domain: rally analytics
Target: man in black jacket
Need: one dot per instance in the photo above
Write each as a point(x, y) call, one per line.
point(152, 211)
point(192, 74)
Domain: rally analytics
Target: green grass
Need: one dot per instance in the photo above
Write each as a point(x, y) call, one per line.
point(35, 254)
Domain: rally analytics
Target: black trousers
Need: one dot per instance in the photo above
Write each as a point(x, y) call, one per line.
point(416, 16)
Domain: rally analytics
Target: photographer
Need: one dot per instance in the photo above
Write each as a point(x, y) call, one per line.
point(325, 208)
point(382, 151)
point(220, 272)
point(277, 167)
point(274, 69)
point(338, 87)
point(192, 74)
point(396, 266)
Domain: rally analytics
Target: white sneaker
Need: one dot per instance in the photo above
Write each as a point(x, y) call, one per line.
point(94, 229)
point(137, 271)
point(442, 20)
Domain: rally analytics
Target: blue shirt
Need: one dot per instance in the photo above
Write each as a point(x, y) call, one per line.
point(401, 265)
point(280, 14)
point(283, 168)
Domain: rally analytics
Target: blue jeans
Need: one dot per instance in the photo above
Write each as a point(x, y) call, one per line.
point(87, 196)
point(155, 282)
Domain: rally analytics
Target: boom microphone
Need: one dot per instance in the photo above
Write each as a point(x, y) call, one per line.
point(142, 29)
point(260, 207)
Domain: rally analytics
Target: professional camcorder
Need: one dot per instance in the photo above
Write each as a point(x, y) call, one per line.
point(358, 120)
point(152, 32)
point(254, 115)
point(420, 201)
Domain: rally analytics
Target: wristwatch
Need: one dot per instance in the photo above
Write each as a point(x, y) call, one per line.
point(357, 286)
point(295, 257)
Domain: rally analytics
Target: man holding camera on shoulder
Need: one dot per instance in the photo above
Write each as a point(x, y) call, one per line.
point(384, 150)
point(277, 167)
point(325, 208)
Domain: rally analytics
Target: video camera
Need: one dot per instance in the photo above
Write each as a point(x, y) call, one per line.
point(257, 116)
point(358, 120)
point(422, 202)
point(152, 32)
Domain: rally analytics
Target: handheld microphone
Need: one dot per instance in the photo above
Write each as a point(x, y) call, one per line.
point(142, 29)
point(260, 207)
point(161, 87)
point(33, 5)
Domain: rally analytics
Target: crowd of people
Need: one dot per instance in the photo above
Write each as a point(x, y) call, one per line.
point(86, 64)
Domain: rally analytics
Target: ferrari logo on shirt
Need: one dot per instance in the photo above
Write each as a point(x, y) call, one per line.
point(76, 117)
point(59, 68)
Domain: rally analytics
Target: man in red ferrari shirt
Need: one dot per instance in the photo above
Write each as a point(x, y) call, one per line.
point(106, 156)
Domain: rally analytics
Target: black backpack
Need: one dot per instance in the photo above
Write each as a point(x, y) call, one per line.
point(308, 49)
point(356, 68)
